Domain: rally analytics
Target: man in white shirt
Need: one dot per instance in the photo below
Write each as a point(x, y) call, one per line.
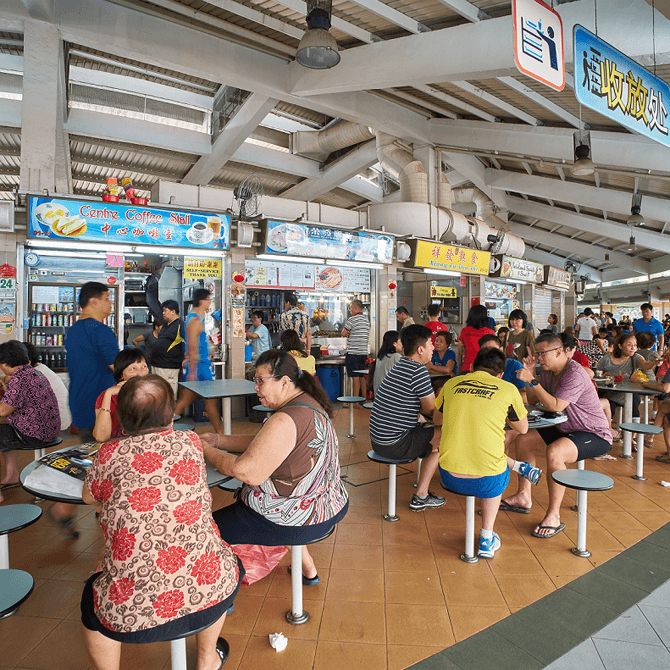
point(586, 327)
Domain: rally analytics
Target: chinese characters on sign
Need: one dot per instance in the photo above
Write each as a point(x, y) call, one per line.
point(202, 268)
point(538, 42)
point(447, 257)
point(443, 292)
point(617, 87)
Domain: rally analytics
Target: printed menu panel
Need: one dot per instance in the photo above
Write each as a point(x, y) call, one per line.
point(270, 274)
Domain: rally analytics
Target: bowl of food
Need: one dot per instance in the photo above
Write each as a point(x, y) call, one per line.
point(618, 379)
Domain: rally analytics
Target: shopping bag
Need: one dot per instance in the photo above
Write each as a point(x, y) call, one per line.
point(258, 561)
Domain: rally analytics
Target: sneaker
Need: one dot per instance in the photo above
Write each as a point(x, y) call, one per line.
point(431, 500)
point(488, 547)
point(532, 474)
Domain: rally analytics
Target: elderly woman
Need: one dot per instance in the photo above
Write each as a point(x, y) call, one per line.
point(29, 416)
point(291, 342)
point(165, 570)
point(292, 490)
point(128, 363)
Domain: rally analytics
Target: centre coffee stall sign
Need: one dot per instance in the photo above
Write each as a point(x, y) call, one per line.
point(297, 239)
point(92, 221)
point(556, 278)
point(439, 256)
point(507, 267)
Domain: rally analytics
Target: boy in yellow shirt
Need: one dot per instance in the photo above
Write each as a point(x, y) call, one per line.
point(474, 410)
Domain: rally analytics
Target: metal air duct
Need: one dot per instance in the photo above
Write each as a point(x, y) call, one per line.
point(401, 164)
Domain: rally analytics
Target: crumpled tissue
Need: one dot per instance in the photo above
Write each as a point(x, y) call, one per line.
point(666, 484)
point(277, 641)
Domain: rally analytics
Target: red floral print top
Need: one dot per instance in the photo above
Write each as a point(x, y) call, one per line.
point(164, 557)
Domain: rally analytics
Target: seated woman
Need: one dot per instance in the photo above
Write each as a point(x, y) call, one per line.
point(292, 490)
point(291, 343)
point(165, 569)
point(29, 416)
point(128, 363)
point(443, 361)
point(389, 354)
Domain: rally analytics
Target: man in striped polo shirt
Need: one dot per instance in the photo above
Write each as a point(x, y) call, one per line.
point(357, 329)
point(394, 428)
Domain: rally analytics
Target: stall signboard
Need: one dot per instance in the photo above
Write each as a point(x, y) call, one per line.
point(620, 89)
point(443, 292)
point(91, 221)
point(202, 268)
point(555, 277)
point(517, 268)
point(297, 239)
point(502, 291)
point(447, 257)
point(538, 42)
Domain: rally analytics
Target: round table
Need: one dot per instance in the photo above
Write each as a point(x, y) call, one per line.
point(15, 587)
point(13, 518)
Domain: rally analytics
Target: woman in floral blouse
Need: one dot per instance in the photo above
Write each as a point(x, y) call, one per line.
point(165, 570)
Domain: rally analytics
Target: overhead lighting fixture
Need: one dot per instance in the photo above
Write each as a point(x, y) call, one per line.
point(631, 243)
point(442, 273)
point(583, 165)
point(318, 49)
point(352, 264)
point(635, 218)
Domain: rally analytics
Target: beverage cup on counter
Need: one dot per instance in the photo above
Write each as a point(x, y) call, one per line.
point(599, 374)
point(214, 222)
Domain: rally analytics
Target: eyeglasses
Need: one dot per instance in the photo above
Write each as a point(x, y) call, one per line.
point(544, 353)
point(259, 380)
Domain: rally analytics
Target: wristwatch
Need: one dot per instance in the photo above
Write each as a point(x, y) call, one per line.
point(533, 383)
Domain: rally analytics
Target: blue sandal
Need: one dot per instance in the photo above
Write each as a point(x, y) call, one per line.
point(307, 581)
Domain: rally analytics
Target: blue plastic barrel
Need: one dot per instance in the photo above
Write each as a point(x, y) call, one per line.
point(329, 376)
point(248, 349)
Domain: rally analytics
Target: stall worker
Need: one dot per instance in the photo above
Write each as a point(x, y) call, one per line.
point(259, 335)
point(294, 318)
point(403, 316)
point(168, 353)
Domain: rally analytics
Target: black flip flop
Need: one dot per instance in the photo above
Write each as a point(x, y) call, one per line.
point(307, 581)
point(556, 529)
point(506, 507)
point(223, 650)
point(7, 487)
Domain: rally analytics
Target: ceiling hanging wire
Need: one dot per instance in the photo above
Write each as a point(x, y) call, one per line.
point(595, 15)
point(653, 31)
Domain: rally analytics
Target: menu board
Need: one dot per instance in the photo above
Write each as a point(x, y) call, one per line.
point(448, 257)
point(495, 290)
point(555, 277)
point(297, 239)
point(518, 268)
point(92, 221)
point(269, 274)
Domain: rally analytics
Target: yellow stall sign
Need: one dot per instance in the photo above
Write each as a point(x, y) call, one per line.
point(447, 257)
point(202, 268)
point(443, 292)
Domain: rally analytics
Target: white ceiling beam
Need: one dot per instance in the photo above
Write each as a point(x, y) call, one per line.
point(281, 161)
point(501, 104)
point(336, 22)
point(622, 150)
point(466, 9)
point(335, 174)
point(583, 249)
point(455, 102)
point(422, 103)
point(590, 224)
point(581, 194)
point(390, 14)
point(10, 62)
point(40, 9)
point(231, 138)
point(472, 168)
point(558, 262)
point(540, 100)
point(10, 112)
point(364, 188)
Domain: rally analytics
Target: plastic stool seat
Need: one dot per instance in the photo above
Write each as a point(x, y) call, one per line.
point(378, 458)
point(13, 518)
point(368, 405)
point(182, 426)
point(262, 408)
point(392, 463)
point(641, 429)
point(351, 399)
point(15, 587)
point(644, 428)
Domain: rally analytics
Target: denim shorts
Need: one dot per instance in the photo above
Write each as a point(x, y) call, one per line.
point(481, 487)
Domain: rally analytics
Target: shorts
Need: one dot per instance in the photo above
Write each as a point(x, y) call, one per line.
point(204, 373)
point(415, 444)
point(491, 486)
point(355, 362)
point(171, 376)
point(171, 630)
point(239, 524)
point(12, 439)
point(588, 444)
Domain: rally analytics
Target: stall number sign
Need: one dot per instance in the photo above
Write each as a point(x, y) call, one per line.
point(7, 283)
point(442, 291)
point(618, 88)
point(538, 42)
point(201, 268)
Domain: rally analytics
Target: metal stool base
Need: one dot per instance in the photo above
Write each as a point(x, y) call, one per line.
point(350, 436)
point(297, 620)
point(469, 559)
point(639, 479)
point(628, 458)
point(582, 554)
point(574, 508)
point(391, 517)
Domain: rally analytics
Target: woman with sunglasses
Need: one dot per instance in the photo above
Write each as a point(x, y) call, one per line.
point(292, 491)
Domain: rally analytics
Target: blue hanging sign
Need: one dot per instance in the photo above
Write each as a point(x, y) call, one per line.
point(615, 86)
point(93, 221)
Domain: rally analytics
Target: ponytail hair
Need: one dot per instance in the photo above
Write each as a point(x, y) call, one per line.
point(282, 364)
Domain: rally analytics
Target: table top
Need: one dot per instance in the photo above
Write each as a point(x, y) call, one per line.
point(330, 360)
point(15, 587)
point(542, 422)
point(625, 387)
point(214, 478)
point(362, 372)
point(583, 480)
point(220, 388)
point(351, 398)
point(15, 517)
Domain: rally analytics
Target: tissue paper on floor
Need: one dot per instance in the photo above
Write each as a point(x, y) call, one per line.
point(278, 641)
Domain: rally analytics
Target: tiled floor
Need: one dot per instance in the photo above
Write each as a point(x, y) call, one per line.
point(390, 594)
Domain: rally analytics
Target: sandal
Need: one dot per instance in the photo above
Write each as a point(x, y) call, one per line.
point(307, 581)
point(67, 526)
point(618, 437)
point(223, 650)
point(663, 458)
point(605, 457)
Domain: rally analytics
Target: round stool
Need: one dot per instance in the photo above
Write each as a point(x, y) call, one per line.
point(182, 426)
point(262, 408)
point(351, 399)
point(12, 518)
point(392, 463)
point(582, 481)
point(368, 405)
point(15, 587)
point(39, 453)
point(468, 556)
point(641, 429)
point(297, 615)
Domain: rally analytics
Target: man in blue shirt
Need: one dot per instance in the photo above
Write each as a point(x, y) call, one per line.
point(648, 324)
point(259, 335)
point(511, 365)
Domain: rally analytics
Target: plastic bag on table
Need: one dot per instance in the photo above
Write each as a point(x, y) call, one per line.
point(258, 561)
point(639, 376)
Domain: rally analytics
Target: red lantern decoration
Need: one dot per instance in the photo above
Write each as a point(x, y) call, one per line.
point(392, 285)
point(238, 277)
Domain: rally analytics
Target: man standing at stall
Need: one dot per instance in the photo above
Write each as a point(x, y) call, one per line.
point(293, 318)
point(403, 316)
point(434, 322)
point(357, 329)
point(259, 334)
point(648, 324)
point(168, 353)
